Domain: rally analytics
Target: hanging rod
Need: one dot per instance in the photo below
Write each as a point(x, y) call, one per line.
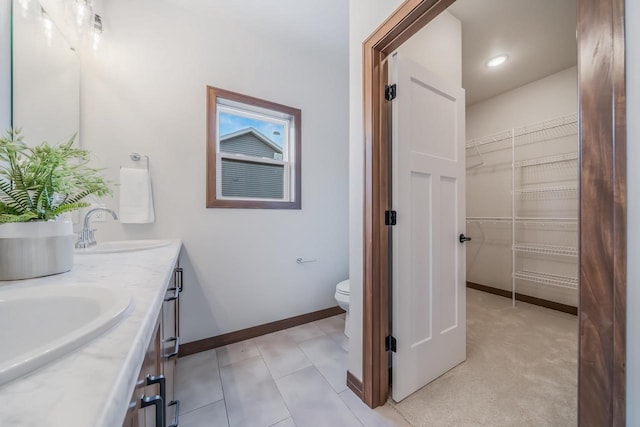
point(546, 249)
point(545, 192)
point(479, 154)
point(547, 279)
point(546, 220)
point(489, 139)
point(546, 160)
point(523, 130)
point(523, 219)
point(488, 218)
point(547, 124)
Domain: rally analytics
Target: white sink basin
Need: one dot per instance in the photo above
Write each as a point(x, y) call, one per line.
point(41, 324)
point(123, 246)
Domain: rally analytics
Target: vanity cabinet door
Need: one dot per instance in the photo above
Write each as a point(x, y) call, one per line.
point(150, 368)
point(171, 343)
point(137, 416)
point(159, 365)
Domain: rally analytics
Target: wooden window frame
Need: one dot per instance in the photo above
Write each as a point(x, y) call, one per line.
point(213, 93)
point(602, 181)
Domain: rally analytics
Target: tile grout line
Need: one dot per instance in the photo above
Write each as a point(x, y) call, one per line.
point(392, 404)
point(349, 408)
point(325, 378)
point(208, 403)
point(267, 365)
point(202, 406)
point(297, 344)
point(260, 355)
point(284, 419)
point(282, 397)
point(226, 410)
point(320, 372)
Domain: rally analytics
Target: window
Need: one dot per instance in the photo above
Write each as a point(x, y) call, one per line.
point(253, 152)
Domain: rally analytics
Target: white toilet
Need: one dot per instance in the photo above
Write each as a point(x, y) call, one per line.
point(342, 298)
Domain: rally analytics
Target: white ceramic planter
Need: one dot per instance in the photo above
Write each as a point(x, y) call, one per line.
point(35, 249)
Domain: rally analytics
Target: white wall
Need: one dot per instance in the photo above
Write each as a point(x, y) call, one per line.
point(364, 17)
point(438, 47)
point(633, 212)
point(145, 91)
point(489, 187)
point(547, 98)
point(5, 66)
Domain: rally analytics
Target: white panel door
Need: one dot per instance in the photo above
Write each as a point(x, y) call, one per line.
point(428, 260)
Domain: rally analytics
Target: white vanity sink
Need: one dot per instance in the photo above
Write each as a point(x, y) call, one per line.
point(41, 324)
point(123, 246)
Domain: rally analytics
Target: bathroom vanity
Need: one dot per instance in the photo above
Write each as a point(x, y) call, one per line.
point(153, 401)
point(109, 380)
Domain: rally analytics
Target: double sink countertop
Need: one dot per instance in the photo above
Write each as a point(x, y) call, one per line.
point(92, 386)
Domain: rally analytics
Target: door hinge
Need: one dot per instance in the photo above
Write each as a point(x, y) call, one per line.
point(390, 343)
point(390, 92)
point(390, 217)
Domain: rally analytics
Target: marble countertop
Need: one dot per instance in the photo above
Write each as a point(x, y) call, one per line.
point(92, 386)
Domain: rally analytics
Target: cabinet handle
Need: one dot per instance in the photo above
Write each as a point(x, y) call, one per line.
point(158, 402)
point(176, 419)
point(175, 296)
point(176, 348)
point(177, 277)
point(160, 379)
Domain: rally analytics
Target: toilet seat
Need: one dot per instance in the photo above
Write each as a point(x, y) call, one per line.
point(343, 288)
point(342, 297)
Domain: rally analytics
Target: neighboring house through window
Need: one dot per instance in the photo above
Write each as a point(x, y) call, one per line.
point(253, 152)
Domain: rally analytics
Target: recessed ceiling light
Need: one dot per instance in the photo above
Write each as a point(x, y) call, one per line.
point(497, 60)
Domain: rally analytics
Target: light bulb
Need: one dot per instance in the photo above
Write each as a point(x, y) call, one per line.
point(497, 60)
point(47, 24)
point(96, 31)
point(25, 5)
point(82, 11)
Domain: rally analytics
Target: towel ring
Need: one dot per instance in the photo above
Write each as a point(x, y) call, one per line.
point(136, 158)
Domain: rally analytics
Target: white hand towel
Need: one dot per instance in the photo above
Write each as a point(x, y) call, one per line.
point(136, 198)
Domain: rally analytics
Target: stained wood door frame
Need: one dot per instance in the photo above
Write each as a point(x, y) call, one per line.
point(602, 181)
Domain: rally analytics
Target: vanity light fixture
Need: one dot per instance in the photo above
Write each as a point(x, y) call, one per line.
point(497, 60)
point(82, 12)
point(47, 23)
point(96, 31)
point(25, 5)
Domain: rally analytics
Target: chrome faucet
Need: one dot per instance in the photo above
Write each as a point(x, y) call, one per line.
point(86, 238)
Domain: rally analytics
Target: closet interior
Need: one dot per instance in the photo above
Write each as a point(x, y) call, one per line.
point(522, 213)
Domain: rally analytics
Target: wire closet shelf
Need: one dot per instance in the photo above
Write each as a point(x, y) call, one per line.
point(529, 134)
point(547, 279)
point(550, 131)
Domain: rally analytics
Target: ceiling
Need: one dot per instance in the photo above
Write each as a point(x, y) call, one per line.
point(538, 35)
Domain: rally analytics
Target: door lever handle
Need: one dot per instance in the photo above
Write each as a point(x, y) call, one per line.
point(462, 238)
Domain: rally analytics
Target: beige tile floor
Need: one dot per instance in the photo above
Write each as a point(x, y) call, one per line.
point(520, 371)
point(291, 378)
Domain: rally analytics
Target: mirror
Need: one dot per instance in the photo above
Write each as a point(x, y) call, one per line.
point(45, 77)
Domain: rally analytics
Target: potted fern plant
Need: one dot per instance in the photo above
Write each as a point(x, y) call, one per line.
point(37, 185)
